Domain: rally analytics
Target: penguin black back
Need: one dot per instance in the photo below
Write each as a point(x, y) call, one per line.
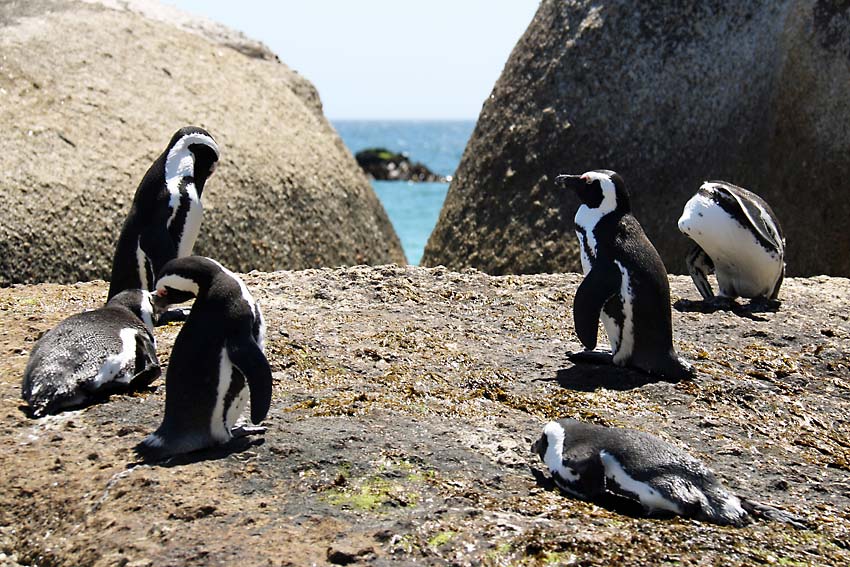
point(165, 215)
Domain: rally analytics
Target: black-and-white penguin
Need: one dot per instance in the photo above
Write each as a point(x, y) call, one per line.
point(604, 464)
point(92, 354)
point(737, 236)
point(165, 217)
point(625, 281)
point(218, 352)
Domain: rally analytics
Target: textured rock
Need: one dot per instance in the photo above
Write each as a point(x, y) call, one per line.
point(668, 94)
point(405, 403)
point(90, 95)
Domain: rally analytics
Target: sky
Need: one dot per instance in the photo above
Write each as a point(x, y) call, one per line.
point(380, 59)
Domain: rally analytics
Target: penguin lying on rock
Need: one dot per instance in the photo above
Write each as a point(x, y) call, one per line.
point(607, 464)
point(218, 352)
point(737, 236)
point(165, 217)
point(625, 281)
point(92, 354)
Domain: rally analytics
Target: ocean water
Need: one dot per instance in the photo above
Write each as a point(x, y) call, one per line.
point(413, 208)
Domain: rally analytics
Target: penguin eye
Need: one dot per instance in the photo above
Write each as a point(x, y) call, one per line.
point(587, 180)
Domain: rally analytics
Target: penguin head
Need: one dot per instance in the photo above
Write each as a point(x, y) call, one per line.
point(192, 152)
point(140, 302)
point(553, 435)
point(182, 279)
point(600, 189)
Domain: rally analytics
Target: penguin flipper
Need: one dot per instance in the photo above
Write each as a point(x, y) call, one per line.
point(699, 266)
point(598, 286)
point(147, 364)
point(246, 355)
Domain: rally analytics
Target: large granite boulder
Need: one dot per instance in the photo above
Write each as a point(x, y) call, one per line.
point(90, 94)
point(668, 94)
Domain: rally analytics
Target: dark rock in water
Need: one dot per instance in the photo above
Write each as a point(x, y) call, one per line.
point(385, 165)
point(286, 194)
point(668, 94)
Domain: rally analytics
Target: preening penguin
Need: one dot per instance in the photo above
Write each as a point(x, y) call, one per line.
point(737, 236)
point(93, 354)
point(219, 350)
point(165, 217)
point(607, 464)
point(625, 281)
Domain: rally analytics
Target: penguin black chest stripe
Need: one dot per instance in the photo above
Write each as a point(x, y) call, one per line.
point(180, 213)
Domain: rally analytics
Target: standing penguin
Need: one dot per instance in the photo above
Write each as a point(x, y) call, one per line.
point(93, 354)
point(736, 235)
point(166, 213)
point(625, 281)
point(610, 465)
point(218, 350)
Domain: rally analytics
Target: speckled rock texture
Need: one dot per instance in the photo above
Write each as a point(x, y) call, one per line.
point(668, 94)
point(90, 94)
point(404, 406)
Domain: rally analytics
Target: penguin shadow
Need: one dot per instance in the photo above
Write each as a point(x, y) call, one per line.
point(233, 447)
point(95, 400)
point(746, 311)
point(587, 376)
point(606, 500)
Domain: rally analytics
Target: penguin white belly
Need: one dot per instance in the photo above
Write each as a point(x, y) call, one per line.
point(649, 497)
point(622, 337)
point(218, 427)
point(744, 267)
point(193, 224)
point(224, 415)
point(582, 246)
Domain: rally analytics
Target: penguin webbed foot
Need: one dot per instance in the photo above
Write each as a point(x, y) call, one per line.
point(175, 315)
point(597, 357)
point(763, 305)
point(246, 430)
point(766, 512)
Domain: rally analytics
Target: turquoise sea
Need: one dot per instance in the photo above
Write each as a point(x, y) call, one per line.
point(413, 208)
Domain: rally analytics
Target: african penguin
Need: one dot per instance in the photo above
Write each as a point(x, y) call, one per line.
point(165, 216)
point(93, 354)
point(219, 350)
point(737, 236)
point(625, 281)
point(611, 464)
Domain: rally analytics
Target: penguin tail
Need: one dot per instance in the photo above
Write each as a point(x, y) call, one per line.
point(767, 512)
point(153, 448)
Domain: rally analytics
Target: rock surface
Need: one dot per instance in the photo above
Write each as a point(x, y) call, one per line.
point(404, 406)
point(383, 164)
point(668, 94)
point(90, 95)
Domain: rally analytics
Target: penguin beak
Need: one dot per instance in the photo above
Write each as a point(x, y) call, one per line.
point(573, 182)
point(535, 447)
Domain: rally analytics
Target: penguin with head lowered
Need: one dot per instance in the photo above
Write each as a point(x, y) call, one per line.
point(613, 465)
point(165, 216)
point(625, 281)
point(93, 354)
point(737, 236)
point(217, 360)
